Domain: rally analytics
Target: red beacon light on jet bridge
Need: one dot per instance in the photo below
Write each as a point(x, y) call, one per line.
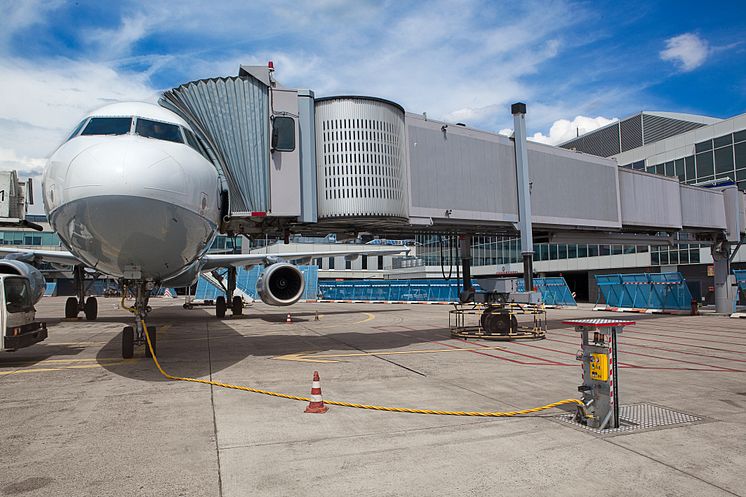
point(271, 65)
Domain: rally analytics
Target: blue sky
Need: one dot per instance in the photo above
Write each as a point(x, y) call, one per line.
point(576, 64)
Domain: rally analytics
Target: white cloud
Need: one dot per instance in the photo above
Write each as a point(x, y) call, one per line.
point(688, 51)
point(563, 130)
point(18, 16)
point(42, 101)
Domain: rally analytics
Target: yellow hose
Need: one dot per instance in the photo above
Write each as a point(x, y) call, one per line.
point(490, 414)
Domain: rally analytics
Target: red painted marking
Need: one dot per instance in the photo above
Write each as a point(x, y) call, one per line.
point(545, 363)
point(669, 359)
point(668, 342)
point(565, 352)
point(704, 338)
point(549, 361)
point(710, 332)
point(599, 323)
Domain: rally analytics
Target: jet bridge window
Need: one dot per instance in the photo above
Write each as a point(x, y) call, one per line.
point(283, 134)
point(158, 130)
point(108, 126)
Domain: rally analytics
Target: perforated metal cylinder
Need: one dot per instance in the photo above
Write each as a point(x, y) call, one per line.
point(360, 158)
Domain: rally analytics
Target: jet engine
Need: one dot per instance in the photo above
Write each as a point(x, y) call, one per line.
point(34, 276)
point(281, 284)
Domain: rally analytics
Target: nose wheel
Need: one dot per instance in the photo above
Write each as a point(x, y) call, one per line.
point(135, 335)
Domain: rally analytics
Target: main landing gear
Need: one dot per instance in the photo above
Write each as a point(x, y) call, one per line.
point(76, 305)
point(236, 302)
point(135, 335)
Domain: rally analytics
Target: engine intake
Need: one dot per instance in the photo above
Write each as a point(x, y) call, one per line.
point(281, 284)
point(34, 276)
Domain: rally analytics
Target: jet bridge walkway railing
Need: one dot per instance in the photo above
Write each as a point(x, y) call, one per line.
point(659, 291)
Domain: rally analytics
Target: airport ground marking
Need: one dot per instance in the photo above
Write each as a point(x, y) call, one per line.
point(31, 362)
point(63, 368)
point(327, 358)
point(370, 317)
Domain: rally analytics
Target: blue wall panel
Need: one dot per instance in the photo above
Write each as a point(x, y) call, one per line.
point(645, 291)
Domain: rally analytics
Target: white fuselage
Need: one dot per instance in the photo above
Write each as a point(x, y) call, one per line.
point(124, 203)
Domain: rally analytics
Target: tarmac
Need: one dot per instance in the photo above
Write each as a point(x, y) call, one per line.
point(79, 420)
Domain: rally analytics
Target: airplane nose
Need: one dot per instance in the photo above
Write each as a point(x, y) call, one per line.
point(121, 168)
point(126, 204)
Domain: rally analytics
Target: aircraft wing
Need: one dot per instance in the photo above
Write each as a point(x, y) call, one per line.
point(29, 255)
point(214, 261)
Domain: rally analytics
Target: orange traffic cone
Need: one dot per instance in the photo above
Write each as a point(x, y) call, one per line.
point(288, 319)
point(316, 406)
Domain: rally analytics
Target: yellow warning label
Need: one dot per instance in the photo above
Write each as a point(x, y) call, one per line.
point(599, 367)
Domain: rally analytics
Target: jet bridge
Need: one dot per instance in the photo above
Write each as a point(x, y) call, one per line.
point(350, 164)
point(293, 163)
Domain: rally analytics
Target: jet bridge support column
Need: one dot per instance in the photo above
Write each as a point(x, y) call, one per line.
point(467, 294)
point(524, 193)
point(725, 295)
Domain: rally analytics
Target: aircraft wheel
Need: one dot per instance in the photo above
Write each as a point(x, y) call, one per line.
point(91, 309)
point(71, 307)
point(128, 342)
point(220, 307)
point(152, 335)
point(188, 306)
point(237, 306)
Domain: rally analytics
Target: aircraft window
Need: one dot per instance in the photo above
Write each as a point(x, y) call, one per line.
point(158, 130)
point(77, 129)
point(108, 126)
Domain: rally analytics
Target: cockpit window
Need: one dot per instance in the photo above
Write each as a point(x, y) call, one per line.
point(77, 130)
point(108, 126)
point(158, 130)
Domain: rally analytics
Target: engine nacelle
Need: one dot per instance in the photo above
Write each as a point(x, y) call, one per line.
point(281, 284)
point(34, 276)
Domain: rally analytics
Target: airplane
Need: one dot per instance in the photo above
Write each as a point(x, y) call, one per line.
point(132, 195)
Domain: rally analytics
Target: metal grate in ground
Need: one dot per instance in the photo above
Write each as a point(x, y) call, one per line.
point(638, 417)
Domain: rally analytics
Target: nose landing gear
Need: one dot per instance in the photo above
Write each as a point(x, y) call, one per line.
point(135, 335)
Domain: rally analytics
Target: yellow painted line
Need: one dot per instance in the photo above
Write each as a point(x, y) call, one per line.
point(56, 361)
point(47, 370)
point(369, 317)
point(324, 358)
point(67, 344)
